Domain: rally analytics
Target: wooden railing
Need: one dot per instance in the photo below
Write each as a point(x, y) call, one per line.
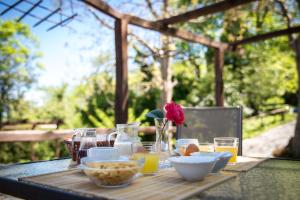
point(54, 124)
point(57, 136)
point(271, 112)
point(41, 135)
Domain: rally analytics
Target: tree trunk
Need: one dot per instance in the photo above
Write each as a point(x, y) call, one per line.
point(1, 118)
point(166, 72)
point(296, 139)
point(165, 63)
point(219, 85)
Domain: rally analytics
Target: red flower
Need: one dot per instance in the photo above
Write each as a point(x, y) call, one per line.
point(174, 113)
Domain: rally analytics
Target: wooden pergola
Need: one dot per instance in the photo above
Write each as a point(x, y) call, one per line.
point(121, 31)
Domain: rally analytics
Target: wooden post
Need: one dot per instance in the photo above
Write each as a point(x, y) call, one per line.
point(296, 138)
point(219, 85)
point(121, 91)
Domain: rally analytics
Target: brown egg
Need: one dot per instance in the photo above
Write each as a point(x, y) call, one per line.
point(191, 148)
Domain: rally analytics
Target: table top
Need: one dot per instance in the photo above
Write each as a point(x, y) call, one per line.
point(272, 179)
point(16, 171)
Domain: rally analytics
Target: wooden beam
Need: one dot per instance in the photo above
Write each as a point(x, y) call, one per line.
point(10, 7)
point(62, 22)
point(105, 8)
point(266, 36)
point(211, 9)
point(121, 97)
point(155, 26)
point(34, 135)
point(30, 10)
point(185, 35)
point(47, 17)
point(219, 85)
point(191, 37)
point(41, 135)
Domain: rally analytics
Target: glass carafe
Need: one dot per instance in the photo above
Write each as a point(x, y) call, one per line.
point(127, 140)
point(76, 142)
point(88, 140)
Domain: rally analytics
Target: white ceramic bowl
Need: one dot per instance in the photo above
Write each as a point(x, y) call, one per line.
point(103, 153)
point(193, 168)
point(222, 159)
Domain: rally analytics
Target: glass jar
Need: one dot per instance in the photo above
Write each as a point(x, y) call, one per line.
point(88, 140)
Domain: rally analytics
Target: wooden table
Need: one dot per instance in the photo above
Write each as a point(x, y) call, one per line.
point(272, 179)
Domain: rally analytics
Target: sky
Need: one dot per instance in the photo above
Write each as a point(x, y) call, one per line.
point(67, 52)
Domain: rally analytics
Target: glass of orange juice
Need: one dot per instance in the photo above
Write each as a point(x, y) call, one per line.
point(229, 144)
point(151, 158)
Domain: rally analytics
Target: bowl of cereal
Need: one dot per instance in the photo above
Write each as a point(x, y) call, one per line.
point(112, 173)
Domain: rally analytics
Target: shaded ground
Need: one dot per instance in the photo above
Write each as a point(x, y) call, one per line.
point(264, 144)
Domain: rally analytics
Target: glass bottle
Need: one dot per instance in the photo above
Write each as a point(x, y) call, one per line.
point(88, 140)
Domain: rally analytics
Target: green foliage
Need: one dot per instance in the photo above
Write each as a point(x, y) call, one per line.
point(101, 119)
point(155, 114)
point(256, 76)
point(132, 117)
point(17, 66)
point(97, 110)
point(263, 79)
point(254, 126)
point(190, 90)
point(12, 152)
point(55, 104)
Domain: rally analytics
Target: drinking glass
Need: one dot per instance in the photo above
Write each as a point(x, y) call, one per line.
point(206, 147)
point(228, 144)
point(151, 157)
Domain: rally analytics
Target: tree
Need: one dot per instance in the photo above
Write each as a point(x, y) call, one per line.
point(17, 65)
point(289, 11)
point(159, 52)
point(99, 97)
point(266, 17)
point(56, 105)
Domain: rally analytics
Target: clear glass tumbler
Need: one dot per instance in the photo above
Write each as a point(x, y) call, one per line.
point(151, 157)
point(227, 144)
point(206, 147)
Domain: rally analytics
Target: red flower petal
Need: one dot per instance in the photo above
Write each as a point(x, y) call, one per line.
point(174, 113)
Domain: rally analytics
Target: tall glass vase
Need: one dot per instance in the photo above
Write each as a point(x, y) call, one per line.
point(163, 136)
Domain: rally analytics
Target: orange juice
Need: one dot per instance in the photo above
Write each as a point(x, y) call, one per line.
point(151, 162)
point(233, 150)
